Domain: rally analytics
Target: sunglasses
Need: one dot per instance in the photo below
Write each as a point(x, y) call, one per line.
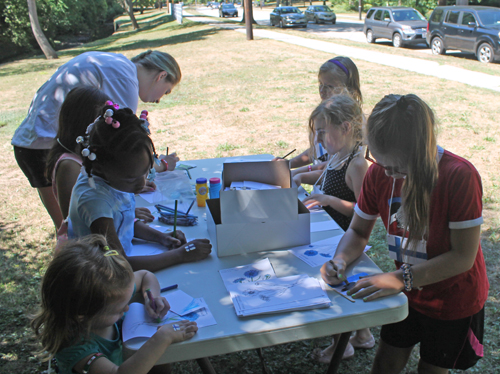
point(373, 161)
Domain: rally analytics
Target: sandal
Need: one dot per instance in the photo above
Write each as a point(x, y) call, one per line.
point(324, 356)
point(369, 344)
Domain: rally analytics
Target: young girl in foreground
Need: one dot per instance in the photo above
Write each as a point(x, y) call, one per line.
point(337, 124)
point(432, 199)
point(118, 155)
point(85, 293)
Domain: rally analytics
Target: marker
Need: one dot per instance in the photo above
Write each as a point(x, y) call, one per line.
point(288, 154)
point(167, 151)
point(190, 207)
point(175, 221)
point(153, 304)
point(172, 287)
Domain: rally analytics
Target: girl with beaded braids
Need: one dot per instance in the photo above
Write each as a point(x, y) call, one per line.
point(84, 294)
point(117, 155)
point(148, 76)
point(430, 202)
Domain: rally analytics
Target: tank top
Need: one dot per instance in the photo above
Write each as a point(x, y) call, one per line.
point(335, 185)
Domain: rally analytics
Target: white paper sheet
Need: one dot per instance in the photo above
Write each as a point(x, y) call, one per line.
point(317, 253)
point(258, 271)
point(139, 325)
point(324, 226)
point(297, 292)
point(181, 303)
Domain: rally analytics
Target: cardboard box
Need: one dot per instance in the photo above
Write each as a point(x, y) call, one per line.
point(257, 220)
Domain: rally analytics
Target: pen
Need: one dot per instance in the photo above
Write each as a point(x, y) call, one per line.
point(172, 287)
point(167, 152)
point(190, 207)
point(175, 220)
point(153, 304)
point(288, 154)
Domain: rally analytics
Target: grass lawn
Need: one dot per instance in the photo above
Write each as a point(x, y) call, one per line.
point(236, 98)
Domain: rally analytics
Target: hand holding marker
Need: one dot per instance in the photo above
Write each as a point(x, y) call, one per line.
point(153, 304)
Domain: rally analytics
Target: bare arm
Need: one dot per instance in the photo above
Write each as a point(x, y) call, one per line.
point(105, 226)
point(459, 259)
point(66, 175)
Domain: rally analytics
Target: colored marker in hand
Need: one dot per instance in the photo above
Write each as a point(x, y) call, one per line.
point(174, 234)
point(153, 304)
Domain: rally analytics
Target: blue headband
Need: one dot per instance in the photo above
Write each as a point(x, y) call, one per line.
point(340, 65)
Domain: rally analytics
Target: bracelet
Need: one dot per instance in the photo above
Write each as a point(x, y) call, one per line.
point(91, 360)
point(407, 277)
point(309, 168)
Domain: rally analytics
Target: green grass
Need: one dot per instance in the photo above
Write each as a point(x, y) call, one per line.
point(223, 74)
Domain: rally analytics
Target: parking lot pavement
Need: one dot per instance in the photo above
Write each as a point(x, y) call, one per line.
point(418, 65)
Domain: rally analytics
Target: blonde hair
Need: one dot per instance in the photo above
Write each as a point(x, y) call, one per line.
point(159, 61)
point(350, 80)
point(337, 110)
point(78, 285)
point(403, 127)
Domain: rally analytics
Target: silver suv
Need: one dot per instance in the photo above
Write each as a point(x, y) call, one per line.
point(402, 25)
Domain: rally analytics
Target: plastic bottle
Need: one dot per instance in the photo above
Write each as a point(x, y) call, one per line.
point(214, 188)
point(201, 191)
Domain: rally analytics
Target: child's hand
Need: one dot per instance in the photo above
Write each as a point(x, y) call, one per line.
point(144, 214)
point(298, 179)
point(149, 187)
point(171, 242)
point(171, 160)
point(162, 307)
point(179, 331)
point(333, 271)
point(316, 199)
point(195, 250)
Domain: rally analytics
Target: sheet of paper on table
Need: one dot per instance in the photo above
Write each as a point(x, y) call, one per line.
point(317, 253)
point(139, 325)
point(232, 160)
point(324, 226)
point(181, 303)
point(258, 271)
point(296, 292)
point(144, 248)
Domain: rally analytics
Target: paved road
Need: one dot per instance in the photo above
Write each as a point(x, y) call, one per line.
point(418, 65)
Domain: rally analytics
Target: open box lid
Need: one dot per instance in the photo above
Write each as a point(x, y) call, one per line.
point(258, 205)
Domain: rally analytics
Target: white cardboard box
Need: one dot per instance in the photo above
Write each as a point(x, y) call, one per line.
point(257, 220)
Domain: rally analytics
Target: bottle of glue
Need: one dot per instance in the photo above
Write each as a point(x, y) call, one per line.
point(201, 192)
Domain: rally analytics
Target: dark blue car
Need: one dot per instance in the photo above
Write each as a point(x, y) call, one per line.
point(470, 29)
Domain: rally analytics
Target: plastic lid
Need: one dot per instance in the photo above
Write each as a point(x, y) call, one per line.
point(201, 180)
point(214, 180)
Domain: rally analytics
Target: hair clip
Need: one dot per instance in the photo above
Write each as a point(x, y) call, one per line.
point(151, 175)
point(112, 252)
point(114, 105)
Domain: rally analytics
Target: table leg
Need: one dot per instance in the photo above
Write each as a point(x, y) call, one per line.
point(339, 352)
point(265, 370)
point(206, 366)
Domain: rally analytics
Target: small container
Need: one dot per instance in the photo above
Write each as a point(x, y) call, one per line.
point(214, 188)
point(201, 191)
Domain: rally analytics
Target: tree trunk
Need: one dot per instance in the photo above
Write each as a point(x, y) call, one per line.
point(442, 2)
point(245, 14)
point(130, 11)
point(42, 41)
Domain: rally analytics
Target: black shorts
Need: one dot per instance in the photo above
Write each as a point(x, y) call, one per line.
point(32, 163)
point(455, 344)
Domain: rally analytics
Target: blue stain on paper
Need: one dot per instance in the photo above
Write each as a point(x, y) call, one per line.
point(311, 252)
point(251, 273)
point(239, 280)
point(325, 254)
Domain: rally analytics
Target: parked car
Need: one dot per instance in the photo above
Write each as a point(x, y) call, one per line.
point(287, 16)
point(213, 5)
point(228, 10)
point(470, 29)
point(402, 25)
point(320, 14)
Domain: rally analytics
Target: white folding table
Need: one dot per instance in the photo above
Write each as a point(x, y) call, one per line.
point(232, 333)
